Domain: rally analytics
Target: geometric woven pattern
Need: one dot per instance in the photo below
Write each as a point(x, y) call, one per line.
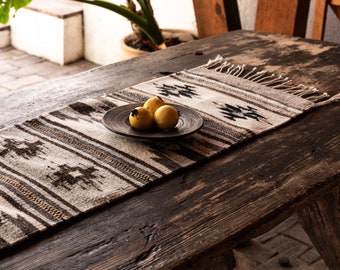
point(66, 162)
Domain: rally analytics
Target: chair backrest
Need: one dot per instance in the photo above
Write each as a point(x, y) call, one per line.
point(216, 16)
point(320, 15)
point(287, 17)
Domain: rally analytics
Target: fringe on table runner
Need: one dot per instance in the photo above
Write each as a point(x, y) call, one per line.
point(66, 162)
point(272, 80)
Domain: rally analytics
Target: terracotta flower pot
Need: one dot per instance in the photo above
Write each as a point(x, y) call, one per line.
point(128, 52)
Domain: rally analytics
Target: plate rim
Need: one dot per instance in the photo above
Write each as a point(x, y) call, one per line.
point(141, 135)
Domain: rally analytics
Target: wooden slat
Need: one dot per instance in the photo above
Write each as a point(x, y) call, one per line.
point(335, 4)
point(210, 17)
point(270, 18)
point(216, 17)
point(336, 10)
point(319, 20)
point(320, 16)
point(288, 17)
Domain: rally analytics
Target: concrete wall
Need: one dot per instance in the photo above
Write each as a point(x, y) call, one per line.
point(332, 32)
point(5, 36)
point(175, 14)
point(104, 29)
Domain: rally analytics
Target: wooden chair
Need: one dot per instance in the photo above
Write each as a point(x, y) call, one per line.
point(287, 17)
point(320, 15)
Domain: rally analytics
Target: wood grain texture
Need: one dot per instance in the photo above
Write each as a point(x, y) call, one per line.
point(188, 215)
point(319, 20)
point(211, 207)
point(335, 5)
point(311, 63)
point(288, 17)
point(210, 17)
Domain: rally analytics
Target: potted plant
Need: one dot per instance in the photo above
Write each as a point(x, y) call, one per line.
point(8, 8)
point(146, 33)
point(146, 36)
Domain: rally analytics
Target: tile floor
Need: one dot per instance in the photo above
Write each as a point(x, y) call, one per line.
point(19, 69)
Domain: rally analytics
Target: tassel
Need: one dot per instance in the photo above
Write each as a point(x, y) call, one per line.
point(271, 80)
point(329, 100)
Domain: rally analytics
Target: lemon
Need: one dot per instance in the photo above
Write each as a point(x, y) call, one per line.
point(141, 118)
point(166, 117)
point(153, 104)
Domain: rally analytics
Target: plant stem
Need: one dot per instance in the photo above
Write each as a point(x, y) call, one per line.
point(148, 24)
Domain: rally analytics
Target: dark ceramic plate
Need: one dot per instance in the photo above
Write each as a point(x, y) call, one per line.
point(117, 120)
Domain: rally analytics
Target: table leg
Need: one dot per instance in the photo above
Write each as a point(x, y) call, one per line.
point(321, 221)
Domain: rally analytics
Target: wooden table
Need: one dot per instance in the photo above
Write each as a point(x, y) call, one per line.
point(206, 210)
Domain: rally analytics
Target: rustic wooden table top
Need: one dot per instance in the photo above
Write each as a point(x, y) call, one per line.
point(300, 173)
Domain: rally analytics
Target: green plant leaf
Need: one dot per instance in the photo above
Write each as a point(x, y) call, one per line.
point(7, 6)
point(147, 24)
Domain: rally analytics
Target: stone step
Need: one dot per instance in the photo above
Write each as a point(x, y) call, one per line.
point(5, 35)
point(50, 29)
point(62, 9)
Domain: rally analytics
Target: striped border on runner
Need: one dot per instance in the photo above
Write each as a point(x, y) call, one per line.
point(66, 162)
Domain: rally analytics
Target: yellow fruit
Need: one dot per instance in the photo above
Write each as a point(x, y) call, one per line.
point(166, 117)
point(141, 118)
point(153, 104)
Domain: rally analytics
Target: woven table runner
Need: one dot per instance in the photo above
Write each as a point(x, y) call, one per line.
point(66, 162)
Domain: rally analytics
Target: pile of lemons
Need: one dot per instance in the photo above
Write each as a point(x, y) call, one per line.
point(154, 112)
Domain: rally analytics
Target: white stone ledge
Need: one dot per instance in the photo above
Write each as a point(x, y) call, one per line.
point(50, 29)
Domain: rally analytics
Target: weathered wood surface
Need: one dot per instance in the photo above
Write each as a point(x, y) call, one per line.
point(312, 63)
point(209, 208)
